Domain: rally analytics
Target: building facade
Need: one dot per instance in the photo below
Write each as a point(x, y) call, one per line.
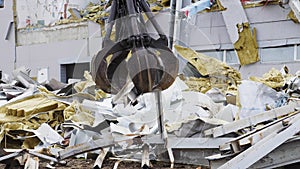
point(66, 50)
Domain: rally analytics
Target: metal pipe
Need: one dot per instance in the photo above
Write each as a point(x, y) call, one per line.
point(16, 31)
point(111, 20)
point(172, 22)
point(132, 14)
point(160, 113)
point(177, 22)
point(151, 16)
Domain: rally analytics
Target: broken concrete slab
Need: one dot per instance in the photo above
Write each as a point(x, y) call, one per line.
point(255, 97)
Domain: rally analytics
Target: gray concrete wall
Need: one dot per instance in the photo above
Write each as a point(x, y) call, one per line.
point(207, 31)
point(51, 55)
point(72, 31)
point(65, 51)
point(7, 47)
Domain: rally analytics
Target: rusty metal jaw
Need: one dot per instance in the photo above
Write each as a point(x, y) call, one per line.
point(134, 55)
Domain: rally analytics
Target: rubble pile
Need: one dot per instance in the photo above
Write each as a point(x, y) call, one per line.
point(98, 13)
point(94, 12)
point(55, 121)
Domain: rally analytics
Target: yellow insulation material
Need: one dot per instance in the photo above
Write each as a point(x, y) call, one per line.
point(246, 46)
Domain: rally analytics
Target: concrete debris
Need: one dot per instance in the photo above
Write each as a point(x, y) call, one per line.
point(77, 119)
point(293, 86)
point(98, 13)
point(228, 113)
point(256, 97)
point(208, 110)
point(47, 135)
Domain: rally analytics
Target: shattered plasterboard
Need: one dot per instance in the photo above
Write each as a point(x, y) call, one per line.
point(255, 97)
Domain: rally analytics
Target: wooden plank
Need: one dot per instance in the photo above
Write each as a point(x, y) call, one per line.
point(250, 121)
point(264, 147)
point(101, 157)
point(175, 142)
point(171, 156)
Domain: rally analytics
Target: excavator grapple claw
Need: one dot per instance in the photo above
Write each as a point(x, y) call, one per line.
point(134, 54)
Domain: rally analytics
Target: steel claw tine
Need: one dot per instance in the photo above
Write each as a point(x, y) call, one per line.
point(149, 71)
point(99, 69)
point(117, 71)
point(170, 70)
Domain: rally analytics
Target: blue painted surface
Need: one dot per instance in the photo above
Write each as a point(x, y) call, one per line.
point(197, 7)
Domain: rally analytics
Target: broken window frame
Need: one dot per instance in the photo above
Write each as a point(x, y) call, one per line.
point(1, 3)
point(217, 54)
point(227, 56)
point(77, 69)
point(231, 57)
point(297, 52)
point(284, 57)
